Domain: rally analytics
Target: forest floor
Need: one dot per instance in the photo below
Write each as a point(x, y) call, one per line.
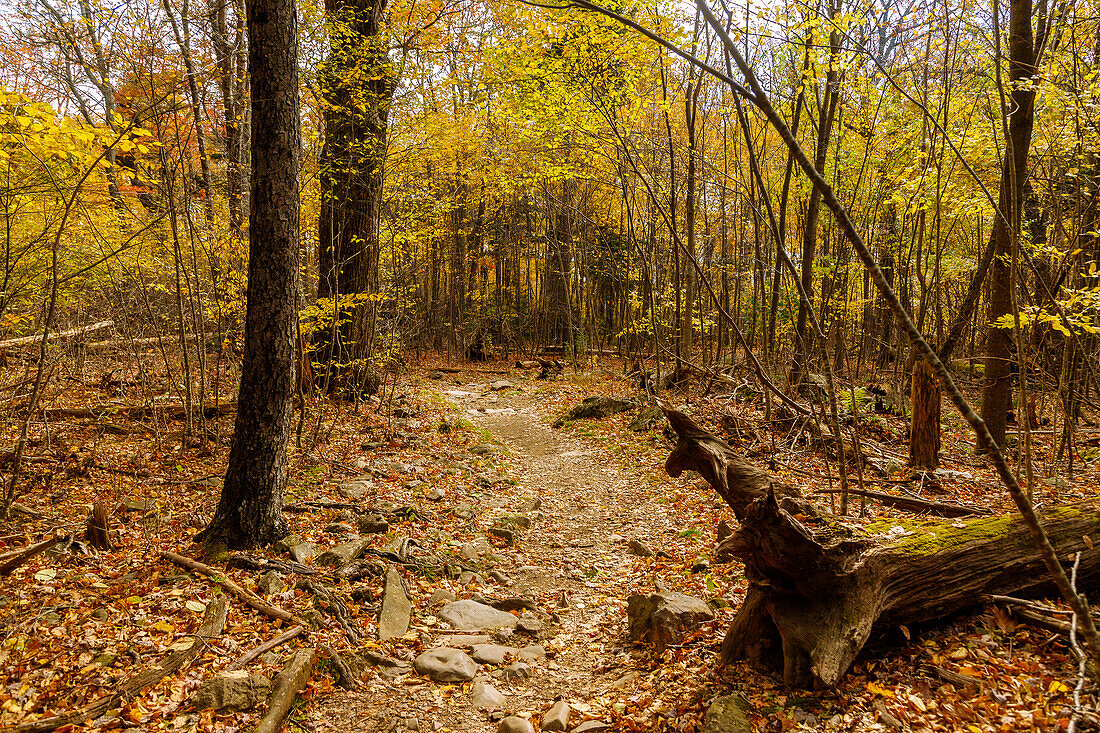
point(449, 463)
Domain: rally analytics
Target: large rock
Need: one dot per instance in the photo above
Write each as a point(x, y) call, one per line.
point(726, 714)
point(494, 654)
point(515, 724)
point(303, 552)
point(357, 488)
point(485, 696)
point(595, 408)
point(445, 664)
point(665, 618)
point(393, 620)
point(474, 616)
point(501, 384)
point(231, 691)
point(557, 717)
point(344, 553)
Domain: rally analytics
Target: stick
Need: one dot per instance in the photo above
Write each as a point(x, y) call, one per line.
point(288, 684)
point(212, 624)
point(913, 504)
point(11, 563)
point(265, 647)
point(250, 598)
point(24, 341)
point(136, 411)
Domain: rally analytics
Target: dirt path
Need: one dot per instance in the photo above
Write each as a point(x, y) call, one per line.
point(573, 562)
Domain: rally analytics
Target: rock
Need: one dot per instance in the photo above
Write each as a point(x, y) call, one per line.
point(483, 449)
point(516, 671)
point(529, 625)
point(530, 505)
point(646, 419)
point(436, 494)
point(595, 408)
point(485, 696)
point(501, 384)
point(435, 375)
point(474, 616)
point(465, 512)
point(665, 618)
point(303, 552)
point(589, 725)
point(344, 553)
point(519, 520)
point(231, 691)
point(270, 583)
point(464, 640)
point(469, 551)
point(515, 724)
point(701, 565)
point(503, 533)
point(373, 524)
point(439, 595)
point(445, 664)
point(357, 488)
point(467, 577)
point(499, 577)
point(339, 528)
point(494, 654)
point(557, 717)
point(284, 544)
point(531, 653)
point(393, 620)
point(137, 505)
point(636, 547)
point(726, 715)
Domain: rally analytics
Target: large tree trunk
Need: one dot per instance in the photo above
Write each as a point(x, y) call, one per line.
point(357, 85)
point(820, 588)
point(250, 509)
point(997, 391)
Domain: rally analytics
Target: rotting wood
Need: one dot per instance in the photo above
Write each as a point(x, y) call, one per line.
point(169, 412)
point(13, 560)
point(915, 504)
point(288, 684)
point(97, 530)
point(819, 587)
point(244, 594)
point(267, 646)
point(212, 624)
point(82, 331)
point(150, 341)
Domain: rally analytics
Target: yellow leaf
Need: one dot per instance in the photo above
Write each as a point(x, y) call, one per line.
point(164, 626)
point(879, 690)
point(1057, 687)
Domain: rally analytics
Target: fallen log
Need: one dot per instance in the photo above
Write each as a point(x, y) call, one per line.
point(168, 412)
point(288, 684)
point(819, 587)
point(82, 331)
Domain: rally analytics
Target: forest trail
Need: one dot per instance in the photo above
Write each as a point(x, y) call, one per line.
point(573, 562)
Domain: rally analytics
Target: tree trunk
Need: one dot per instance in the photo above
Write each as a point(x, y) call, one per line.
point(820, 588)
point(924, 428)
point(249, 512)
point(997, 390)
point(357, 85)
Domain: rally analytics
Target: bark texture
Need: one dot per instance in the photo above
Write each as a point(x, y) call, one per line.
point(820, 588)
point(249, 512)
point(924, 425)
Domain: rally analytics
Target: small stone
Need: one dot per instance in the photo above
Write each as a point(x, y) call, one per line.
point(531, 653)
point(726, 714)
point(138, 505)
point(637, 548)
point(270, 583)
point(529, 625)
point(355, 489)
point(520, 520)
point(469, 551)
point(701, 565)
point(303, 552)
point(436, 494)
point(440, 595)
point(501, 384)
point(499, 577)
point(231, 691)
point(494, 654)
point(531, 505)
point(284, 544)
point(445, 664)
point(515, 724)
point(339, 528)
point(503, 533)
point(464, 512)
point(100, 614)
point(557, 717)
point(482, 449)
point(373, 524)
point(466, 577)
point(393, 620)
point(474, 616)
point(344, 553)
point(435, 375)
point(486, 697)
point(665, 618)
point(464, 640)
point(516, 671)
point(106, 659)
point(589, 725)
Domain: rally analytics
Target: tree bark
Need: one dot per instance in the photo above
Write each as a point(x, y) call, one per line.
point(924, 425)
point(820, 588)
point(249, 512)
point(357, 85)
point(997, 390)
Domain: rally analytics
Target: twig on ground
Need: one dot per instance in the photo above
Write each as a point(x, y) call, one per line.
point(265, 647)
